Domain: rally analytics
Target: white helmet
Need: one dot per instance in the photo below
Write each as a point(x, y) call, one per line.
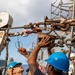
point(72, 55)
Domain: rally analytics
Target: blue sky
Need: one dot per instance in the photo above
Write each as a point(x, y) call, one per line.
point(23, 12)
point(26, 42)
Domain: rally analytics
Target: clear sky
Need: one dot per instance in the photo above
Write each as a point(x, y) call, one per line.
point(23, 12)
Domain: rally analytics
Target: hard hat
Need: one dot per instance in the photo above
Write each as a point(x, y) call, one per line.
point(72, 55)
point(59, 61)
point(12, 65)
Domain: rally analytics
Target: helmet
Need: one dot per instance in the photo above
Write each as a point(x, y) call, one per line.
point(59, 61)
point(72, 55)
point(12, 65)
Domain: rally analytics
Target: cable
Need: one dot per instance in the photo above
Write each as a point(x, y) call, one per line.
point(26, 47)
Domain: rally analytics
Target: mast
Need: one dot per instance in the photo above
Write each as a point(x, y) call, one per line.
point(72, 28)
point(58, 12)
point(60, 5)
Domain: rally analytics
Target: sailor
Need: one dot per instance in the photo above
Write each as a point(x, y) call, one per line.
point(72, 64)
point(14, 68)
point(57, 61)
point(23, 52)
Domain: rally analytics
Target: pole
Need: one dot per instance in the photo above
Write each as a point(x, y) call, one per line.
point(73, 9)
point(60, 8)
point(72, 28)
point(6, 58)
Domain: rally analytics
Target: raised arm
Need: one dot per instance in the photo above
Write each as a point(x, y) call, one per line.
point(33, 56)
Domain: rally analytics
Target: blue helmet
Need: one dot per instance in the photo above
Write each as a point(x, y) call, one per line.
point(59, 61)
point(12, 65)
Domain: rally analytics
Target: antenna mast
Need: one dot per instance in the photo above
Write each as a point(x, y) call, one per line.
point(65, 10)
